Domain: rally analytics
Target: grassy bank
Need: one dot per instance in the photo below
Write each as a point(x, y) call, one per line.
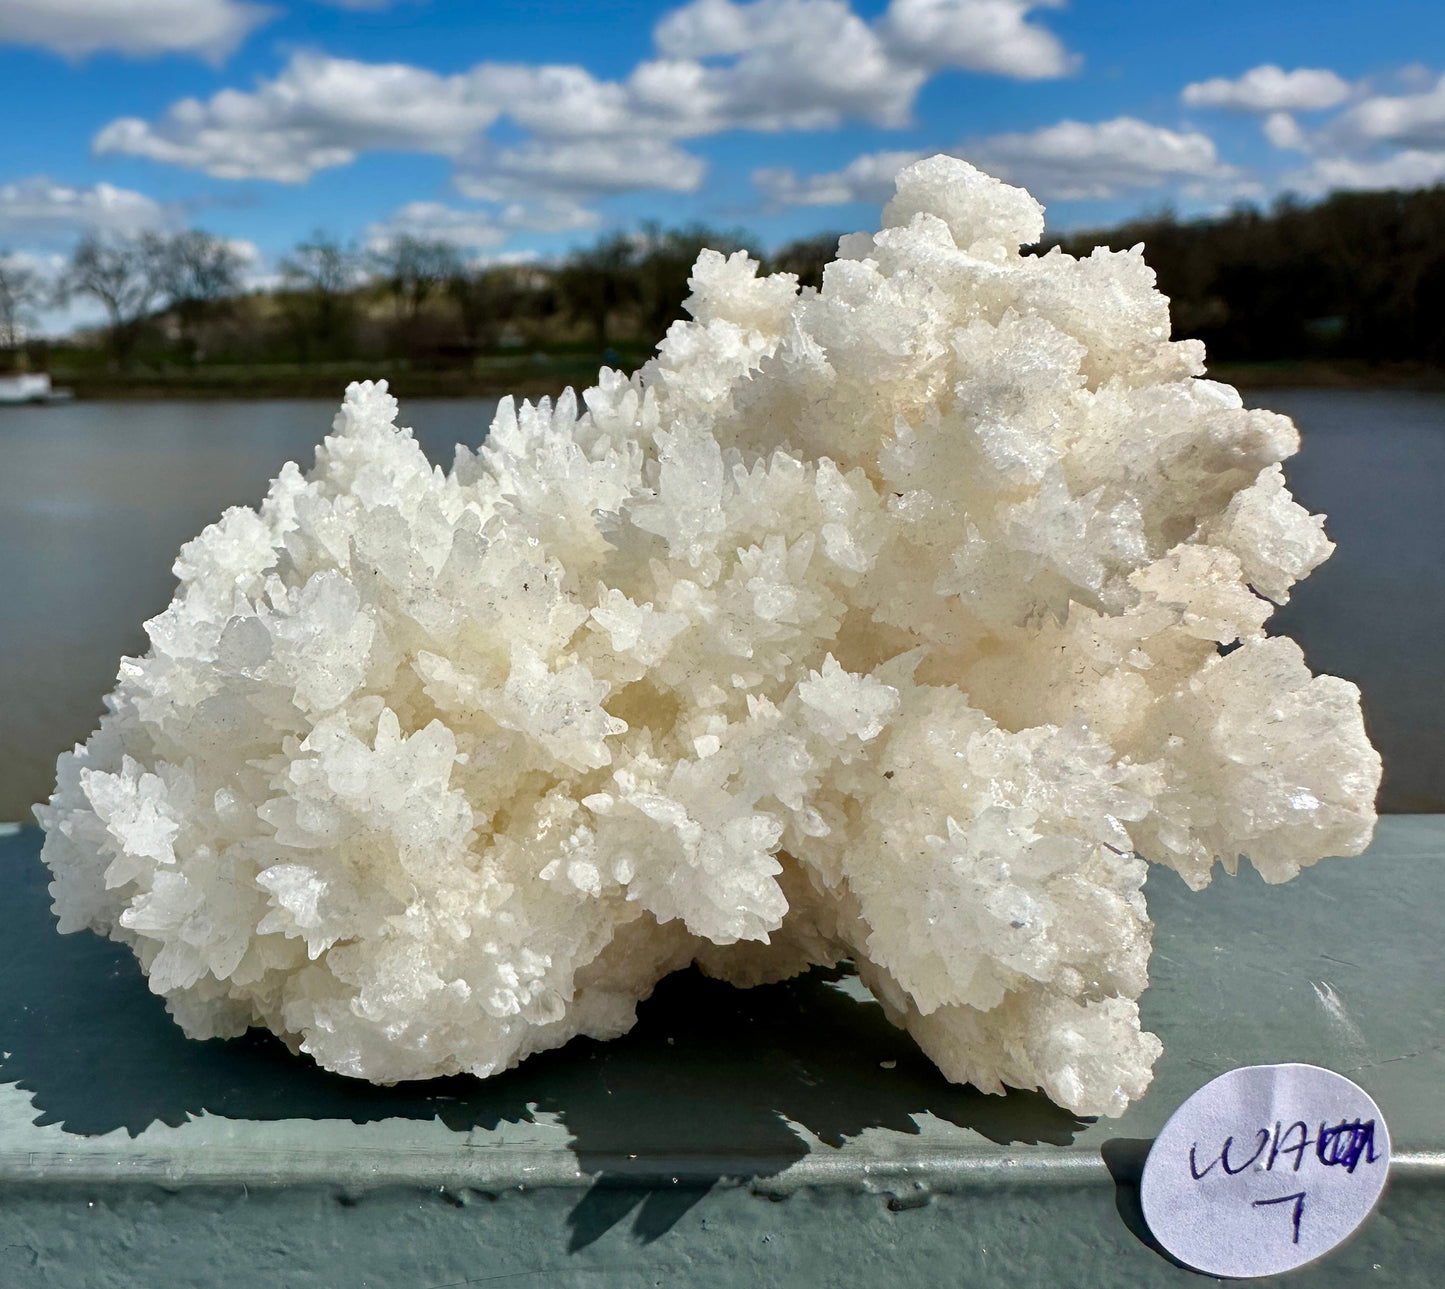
point(529, 375)
point(1319, 374)
point(533, 375)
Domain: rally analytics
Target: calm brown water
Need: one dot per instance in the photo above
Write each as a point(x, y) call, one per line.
point(97, 498)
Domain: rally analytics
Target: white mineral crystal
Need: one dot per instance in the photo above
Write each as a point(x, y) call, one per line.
point(881, 622)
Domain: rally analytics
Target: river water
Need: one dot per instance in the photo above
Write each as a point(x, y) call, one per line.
point(96, 499)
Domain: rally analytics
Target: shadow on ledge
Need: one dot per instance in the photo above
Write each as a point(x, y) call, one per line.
point(710, 1074)
point(1124, 1158)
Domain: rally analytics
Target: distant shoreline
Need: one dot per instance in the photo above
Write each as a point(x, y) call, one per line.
point(329, 389)
point(528, 379)
point(533, 378)
point(1316, 374)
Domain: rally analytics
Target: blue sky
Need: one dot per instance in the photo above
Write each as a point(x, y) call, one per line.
point(520, 129)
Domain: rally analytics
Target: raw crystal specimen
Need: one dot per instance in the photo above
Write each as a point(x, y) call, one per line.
point(880, 622)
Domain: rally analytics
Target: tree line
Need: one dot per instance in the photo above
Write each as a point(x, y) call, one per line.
point(182, 298)
point(1357, 276)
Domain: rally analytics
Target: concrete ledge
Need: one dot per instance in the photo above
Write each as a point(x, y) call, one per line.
point(799, 1092)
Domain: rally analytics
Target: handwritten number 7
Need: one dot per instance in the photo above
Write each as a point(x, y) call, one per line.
point(1299, 1207)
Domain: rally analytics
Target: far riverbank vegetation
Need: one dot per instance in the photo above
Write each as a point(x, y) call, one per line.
point(1348, 290)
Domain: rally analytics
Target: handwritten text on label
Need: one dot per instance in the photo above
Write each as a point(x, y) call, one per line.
point(1265, 1168)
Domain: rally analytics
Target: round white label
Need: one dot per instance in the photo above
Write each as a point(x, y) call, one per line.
point(1265, 1168)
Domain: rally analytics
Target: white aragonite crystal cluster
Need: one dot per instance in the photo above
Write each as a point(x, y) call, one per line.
point(902, 621)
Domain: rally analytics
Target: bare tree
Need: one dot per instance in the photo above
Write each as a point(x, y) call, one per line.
point(321, 276)
point(321, 264)
point(600, 279)
point(664, 260)
point(127, 276)
point(487, 299)
point(198, 272)
point(806, 257)
point(21, 291)
point(413, 268)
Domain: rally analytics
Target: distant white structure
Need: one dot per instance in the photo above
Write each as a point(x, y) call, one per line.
point(30, 387)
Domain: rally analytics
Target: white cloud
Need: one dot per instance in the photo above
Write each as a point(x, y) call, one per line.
point(322, 112)
point(581, 167)
point(1073, 160)
point(76, 28)
point(549, 215)
point(868, 178)
point(1282, 130)
point(1068, 161)
point(1415, 77)
point(480, 229)
point(40, 211)
point(433, 221)
point(979, 35)
point(1271, 89)
point(1412, 168)
point(318, 113)
point(504, 259)
point(810, 64)
point(1383, 141)
point(555, 100)
point(45, 265)
point(244, 250)
point(765, 65)
point(801, 64)
point(1405, 120)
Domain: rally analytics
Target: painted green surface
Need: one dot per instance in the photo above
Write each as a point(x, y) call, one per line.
point(130, 1156)
point(834, 1238)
